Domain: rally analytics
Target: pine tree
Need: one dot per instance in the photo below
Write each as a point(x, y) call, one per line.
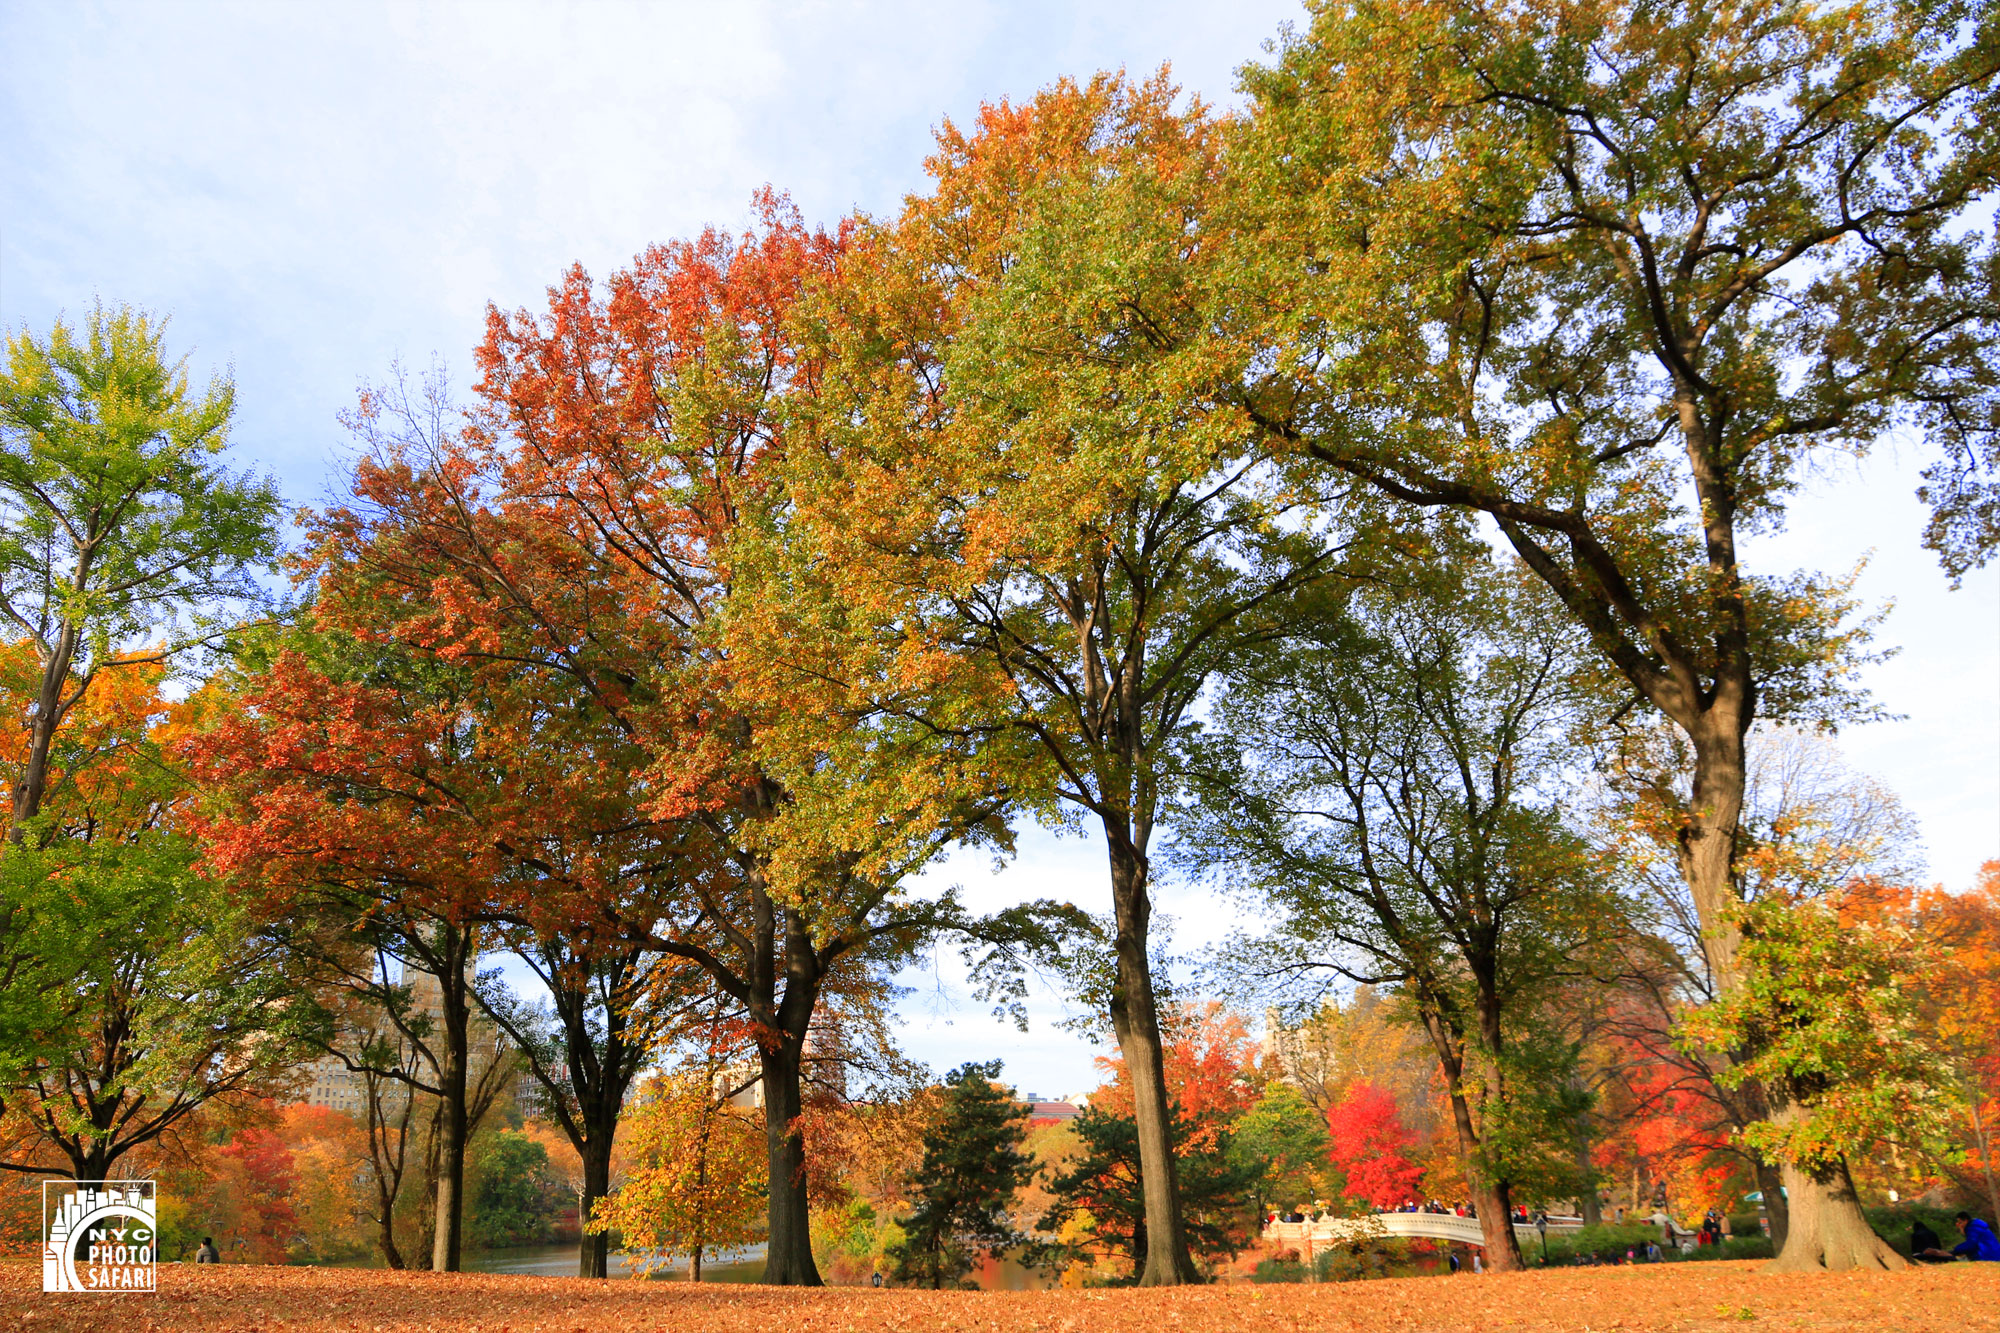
point(972, 1168)
point(1103, 1184)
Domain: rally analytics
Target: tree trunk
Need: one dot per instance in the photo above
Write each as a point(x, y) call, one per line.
point(447, 1236)
point(386, 1242)
point(41, 734)
point(1828, 1230)
point(1496, 1224)
point(1503, 1248)
point(1770, 1183)
point(594, 1249)
point(789, 1248)
point(1136, 1021)
point(694, 1265)
point(1587, 1207)
point(1707, 842)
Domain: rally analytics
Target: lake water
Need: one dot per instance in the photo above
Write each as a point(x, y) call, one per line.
point(746, 1265)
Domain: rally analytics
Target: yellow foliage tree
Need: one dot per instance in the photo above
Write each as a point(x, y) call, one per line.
point(695, 1183)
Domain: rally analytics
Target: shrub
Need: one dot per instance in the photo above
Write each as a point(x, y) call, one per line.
point(1736, 1247)
point(1745, 1225)
point(1893, 1224)
point(1607, 1243)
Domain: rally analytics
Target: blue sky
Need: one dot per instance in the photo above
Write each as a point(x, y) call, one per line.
point(314, 190)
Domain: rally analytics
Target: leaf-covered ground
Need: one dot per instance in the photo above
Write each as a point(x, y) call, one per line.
point(1682, 1297)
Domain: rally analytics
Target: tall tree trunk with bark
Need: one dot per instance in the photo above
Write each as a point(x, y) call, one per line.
point(1491, 1197)
point(1587, 1205)
point(1828, 1228)
point(1770, 1183)
point(594, 1251)
point(789, 1256)
point(457, 946)
point(446, 1235)
point(1135, 1019)
point(34, 782)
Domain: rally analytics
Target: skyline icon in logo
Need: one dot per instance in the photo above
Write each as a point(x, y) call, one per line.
point(99, 1235)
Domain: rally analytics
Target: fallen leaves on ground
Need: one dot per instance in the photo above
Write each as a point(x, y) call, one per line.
point(1954, 1298)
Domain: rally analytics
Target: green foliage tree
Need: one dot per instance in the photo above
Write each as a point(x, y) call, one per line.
point(118, 525)
point(1404, 809)
point(122, 541)
point(151, 990)
point(1832, 1015)
point(965, 1185)
point(172, 996)
point(1617, 276)
point(514, 1196)
point(1283, 1140)
point(1104, 1181)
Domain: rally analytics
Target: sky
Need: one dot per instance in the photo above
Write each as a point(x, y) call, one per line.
point(314, 192)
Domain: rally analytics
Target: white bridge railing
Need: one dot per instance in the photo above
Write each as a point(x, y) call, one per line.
point(1432, 1226)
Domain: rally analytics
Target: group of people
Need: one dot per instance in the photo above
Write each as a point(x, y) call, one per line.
point(1710, 1232)
point(1433, 1206)
point(1979, 1242)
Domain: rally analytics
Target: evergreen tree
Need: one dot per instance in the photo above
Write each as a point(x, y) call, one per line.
point(972, 1168)
point(1215, 1179)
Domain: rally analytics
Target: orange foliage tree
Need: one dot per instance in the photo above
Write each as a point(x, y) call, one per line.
point(1965, 1006)
point(1019, 505)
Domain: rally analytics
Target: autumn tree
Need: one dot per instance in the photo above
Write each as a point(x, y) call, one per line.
point(1832, 1017)
point(1810, 828)
point(131, 940)
point(345, 795)
point(1616, 277)
point(544, 575)
point(964, 1188)
point(1020, 507)
point(1404, 807)
point(1371, 1146)
point(696, 1184)
point(1964, 1004)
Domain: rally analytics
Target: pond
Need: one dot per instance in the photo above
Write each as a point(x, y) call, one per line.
point(744, 1265)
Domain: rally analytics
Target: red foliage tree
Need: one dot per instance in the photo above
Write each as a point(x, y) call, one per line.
point(265, 1181)
point(1371, 1146)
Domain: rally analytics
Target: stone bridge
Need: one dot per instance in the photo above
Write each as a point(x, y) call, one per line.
point(1308, 1236)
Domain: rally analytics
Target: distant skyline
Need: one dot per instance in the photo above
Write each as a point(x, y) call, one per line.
point(312, 192)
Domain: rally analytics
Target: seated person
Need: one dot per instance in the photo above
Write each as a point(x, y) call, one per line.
point(1925, 1247)
point(1979, 1243)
